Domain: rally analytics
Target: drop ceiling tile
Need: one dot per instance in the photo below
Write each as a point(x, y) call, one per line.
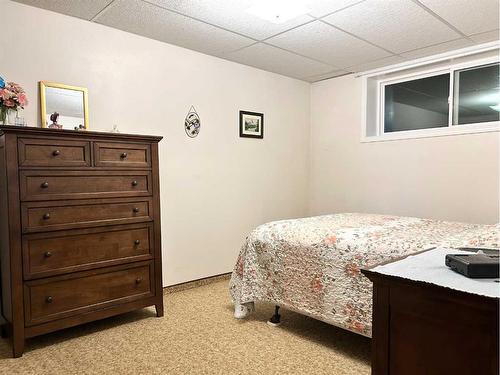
point(75, 8)
point(322, 77)
point(323, 42)
point(276, 60)
point(397, 25)
point(320, 8)
point(469, 16)
point(157, 23)
point(391, 60)
point(231, 15)
point(438, 48)
point(489, 36)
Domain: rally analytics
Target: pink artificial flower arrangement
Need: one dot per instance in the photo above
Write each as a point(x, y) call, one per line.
point(12, 97)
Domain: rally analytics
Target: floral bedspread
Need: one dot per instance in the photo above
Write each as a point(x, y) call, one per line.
point(312, 265)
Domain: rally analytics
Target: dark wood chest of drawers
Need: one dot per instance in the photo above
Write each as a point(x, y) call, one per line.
point(420, 328)
point(79, 228)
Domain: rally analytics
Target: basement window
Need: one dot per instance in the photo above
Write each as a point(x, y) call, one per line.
point(446, 100)
point(416, 104)
point(476, 95)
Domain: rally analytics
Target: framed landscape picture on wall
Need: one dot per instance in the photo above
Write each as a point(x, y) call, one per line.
point(251, 124)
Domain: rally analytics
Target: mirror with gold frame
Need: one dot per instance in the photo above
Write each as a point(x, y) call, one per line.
point(63, 106)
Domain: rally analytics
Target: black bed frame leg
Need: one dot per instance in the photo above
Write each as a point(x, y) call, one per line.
point(276, 318)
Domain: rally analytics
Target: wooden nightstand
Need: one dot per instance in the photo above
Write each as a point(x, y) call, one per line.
point(423, 326)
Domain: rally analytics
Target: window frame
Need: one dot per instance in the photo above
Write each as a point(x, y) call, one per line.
point(381, 94)
point(451, 129)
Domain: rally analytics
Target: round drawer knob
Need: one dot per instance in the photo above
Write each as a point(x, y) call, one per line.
point(47, 254)
point(137, 242)
point(45, 185)
point(124, 155)
point(136, 210)
point(135, 183)
point(56, 153)
point(46, 216)
point(49, 299)
point(138, 280)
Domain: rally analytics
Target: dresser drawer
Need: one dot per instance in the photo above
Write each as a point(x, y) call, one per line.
point(49, 254)
point(53, 153)
point(55, 185)
point(122, 155)
point(63, 296)
point(44, 216)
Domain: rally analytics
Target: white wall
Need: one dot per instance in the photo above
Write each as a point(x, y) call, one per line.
point(214, 188)
point(449, 178)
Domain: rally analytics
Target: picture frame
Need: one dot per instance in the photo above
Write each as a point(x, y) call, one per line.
point(251, 125)
point(63, 106)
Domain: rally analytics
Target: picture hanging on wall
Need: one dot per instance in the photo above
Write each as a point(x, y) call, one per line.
point(192, 123)
point(251, 124)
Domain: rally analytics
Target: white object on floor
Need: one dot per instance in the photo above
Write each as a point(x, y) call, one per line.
point(273, 324)
point(243, 310)
point(429, 267)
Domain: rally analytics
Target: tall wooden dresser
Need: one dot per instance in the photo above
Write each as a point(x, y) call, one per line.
point(79, 228)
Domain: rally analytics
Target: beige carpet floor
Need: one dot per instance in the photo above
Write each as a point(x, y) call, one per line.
point(198, 335)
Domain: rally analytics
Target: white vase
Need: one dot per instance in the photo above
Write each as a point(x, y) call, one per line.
point(11, 117)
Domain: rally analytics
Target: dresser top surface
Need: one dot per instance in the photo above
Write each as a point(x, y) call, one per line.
point(429, 267)
point(4, 129)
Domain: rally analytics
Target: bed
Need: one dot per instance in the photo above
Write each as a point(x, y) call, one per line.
point(312, 265)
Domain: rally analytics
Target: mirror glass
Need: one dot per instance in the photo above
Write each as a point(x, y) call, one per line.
point(64, 108)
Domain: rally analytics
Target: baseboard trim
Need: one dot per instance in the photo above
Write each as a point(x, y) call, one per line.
point(196, 283)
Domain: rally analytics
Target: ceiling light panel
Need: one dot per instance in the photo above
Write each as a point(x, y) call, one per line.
point(232, 15)
point(278, 11)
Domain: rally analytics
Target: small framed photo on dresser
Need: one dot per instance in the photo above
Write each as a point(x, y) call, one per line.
point(251, 124)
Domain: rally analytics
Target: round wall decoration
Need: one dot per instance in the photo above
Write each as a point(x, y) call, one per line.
point(192, 123)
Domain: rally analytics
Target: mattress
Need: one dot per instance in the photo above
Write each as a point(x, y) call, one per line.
point(312, 265)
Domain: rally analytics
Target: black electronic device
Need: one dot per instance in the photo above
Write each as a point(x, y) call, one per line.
point(475, 266)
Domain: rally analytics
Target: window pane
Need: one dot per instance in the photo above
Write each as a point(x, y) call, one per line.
point(417, 104)
point(477, 95)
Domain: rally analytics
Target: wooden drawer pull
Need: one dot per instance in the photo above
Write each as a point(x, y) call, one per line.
point(47, 254)
point(124, 155)
point(138, 280)
point(49, 299)
point(46, 216)
point(56, 153)
point(136, 210)
point(44, 185)
point(137, 242)
point(135, 183)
